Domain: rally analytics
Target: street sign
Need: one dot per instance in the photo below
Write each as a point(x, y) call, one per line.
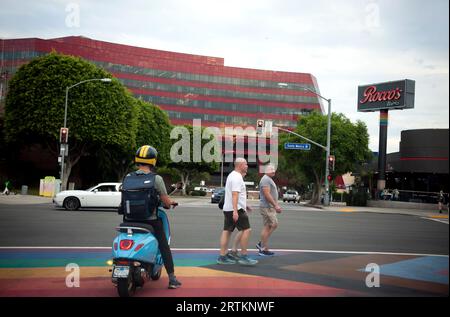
point(64, 150)
point(297, 146)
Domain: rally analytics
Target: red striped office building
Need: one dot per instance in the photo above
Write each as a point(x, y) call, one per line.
point(186, 86)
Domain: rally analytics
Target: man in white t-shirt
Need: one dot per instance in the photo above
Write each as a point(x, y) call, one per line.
point(235, 215)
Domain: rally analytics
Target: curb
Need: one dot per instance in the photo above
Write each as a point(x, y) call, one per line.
point(313, 206)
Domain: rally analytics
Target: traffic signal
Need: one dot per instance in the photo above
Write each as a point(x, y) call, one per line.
point(330, 177)
point(260, 123)
point(331, 161)
point(64, 135)
point(259, 126)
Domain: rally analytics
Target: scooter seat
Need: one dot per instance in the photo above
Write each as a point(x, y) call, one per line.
point(136, 226)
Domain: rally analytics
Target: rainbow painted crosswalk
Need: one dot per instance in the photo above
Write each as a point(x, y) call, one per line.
point(42, 272)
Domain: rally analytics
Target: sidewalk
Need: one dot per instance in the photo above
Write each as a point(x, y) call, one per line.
point(31, 199)
point(24, 200)
point(413, 212)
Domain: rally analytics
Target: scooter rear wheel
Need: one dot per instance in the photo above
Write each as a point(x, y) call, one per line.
point(157, 275)
point(126, 286)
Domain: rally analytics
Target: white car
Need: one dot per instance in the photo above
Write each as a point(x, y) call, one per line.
point(103, 195)
point(291, 195)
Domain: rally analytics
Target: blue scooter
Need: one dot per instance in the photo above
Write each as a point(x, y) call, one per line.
point(136, 256)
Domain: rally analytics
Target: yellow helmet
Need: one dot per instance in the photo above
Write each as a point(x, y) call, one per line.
point(146, 154)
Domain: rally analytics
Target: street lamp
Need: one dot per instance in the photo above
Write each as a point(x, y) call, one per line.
point(65, 149)
point(327, 148)
point(326, 200)
point(105, 80)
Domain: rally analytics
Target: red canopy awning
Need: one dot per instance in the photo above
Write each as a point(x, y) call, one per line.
point(339, 182)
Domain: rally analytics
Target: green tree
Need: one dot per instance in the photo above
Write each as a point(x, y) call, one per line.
point(294, 178)
point(349, 144)
point(154, 129)
point(189, 168)
point(3, 150)
point(99, 116)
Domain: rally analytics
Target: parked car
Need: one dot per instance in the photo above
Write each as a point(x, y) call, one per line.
point(201, 188)
point(291, 195)
point(217, 194)
point(103, 195)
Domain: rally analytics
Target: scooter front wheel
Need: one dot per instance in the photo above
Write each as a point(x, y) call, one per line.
point(126, 286)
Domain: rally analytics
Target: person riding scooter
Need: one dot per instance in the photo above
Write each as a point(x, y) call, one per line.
point(145, 160)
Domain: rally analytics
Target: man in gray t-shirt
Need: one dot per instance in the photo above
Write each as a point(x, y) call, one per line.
point(268, 204)
point(267, 182)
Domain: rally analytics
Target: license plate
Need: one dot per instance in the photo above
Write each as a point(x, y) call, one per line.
point(121, 271)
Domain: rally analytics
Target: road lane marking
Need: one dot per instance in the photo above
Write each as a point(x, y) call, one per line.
point(437, 220)
point(253, 250)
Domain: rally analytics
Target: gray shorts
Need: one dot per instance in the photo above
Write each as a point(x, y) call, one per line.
point(242, 223)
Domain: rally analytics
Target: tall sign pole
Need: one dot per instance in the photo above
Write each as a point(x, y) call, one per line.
point(382, 147)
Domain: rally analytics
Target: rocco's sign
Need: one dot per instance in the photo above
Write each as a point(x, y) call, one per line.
point(388, 95)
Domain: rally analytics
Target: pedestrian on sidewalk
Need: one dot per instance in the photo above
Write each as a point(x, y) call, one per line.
point(6, 191)
point(269, 207)
point(235, 215)
point(395, 194)
point(441, 200)
point(385, 194)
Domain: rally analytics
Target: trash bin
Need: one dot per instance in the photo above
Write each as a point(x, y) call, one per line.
point(24, 190)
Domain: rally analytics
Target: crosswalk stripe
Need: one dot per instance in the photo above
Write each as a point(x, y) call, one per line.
point(438, 220)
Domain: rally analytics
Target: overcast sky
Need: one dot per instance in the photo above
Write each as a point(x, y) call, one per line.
point(342, 43)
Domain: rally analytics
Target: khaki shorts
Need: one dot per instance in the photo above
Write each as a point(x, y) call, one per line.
point(269, 216)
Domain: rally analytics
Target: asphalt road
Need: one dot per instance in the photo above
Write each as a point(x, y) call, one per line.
point(199, 226)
